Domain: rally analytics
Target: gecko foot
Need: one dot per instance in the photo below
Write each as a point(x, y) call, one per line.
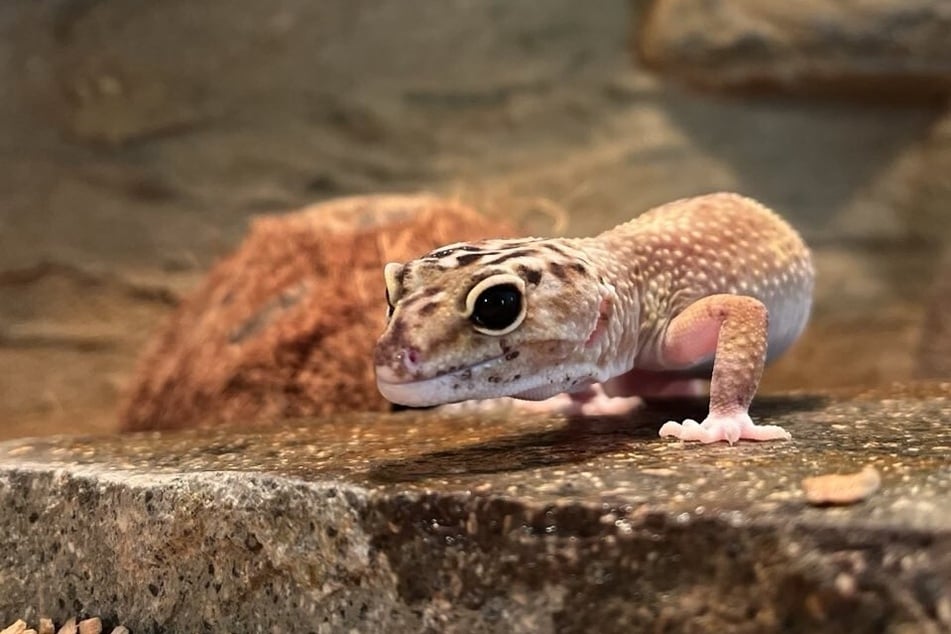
point(717, 427)
point(592, 401)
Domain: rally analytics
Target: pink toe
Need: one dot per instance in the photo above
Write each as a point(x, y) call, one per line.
point(765, 432)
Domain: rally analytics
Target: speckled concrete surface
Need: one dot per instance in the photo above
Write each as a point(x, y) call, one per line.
point(422, 522)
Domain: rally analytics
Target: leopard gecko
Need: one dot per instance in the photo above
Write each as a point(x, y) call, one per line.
point(711, 286)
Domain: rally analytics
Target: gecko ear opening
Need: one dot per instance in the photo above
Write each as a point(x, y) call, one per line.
point(496, 305)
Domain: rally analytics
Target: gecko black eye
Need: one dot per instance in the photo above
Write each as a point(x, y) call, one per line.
point(497, 304)
point(497, 308)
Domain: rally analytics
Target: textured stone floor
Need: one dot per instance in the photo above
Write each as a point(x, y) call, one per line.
point(423, 522)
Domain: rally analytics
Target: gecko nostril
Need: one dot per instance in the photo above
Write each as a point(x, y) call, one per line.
point(410, 358)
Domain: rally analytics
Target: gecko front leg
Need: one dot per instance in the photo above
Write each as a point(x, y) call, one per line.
point(733, 329)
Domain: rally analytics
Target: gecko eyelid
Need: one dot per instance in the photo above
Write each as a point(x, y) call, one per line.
point(496, 305)
point(390, 309)
point(393, 279)
point(389, 305)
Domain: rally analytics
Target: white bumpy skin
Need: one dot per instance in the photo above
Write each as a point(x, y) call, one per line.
point(711, 287)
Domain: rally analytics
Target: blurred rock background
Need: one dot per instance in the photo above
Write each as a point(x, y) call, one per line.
point(138, 139)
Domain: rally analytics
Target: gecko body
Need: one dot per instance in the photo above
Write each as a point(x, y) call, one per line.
point(710, 286)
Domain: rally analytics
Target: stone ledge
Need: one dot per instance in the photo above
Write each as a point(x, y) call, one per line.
point(424, 522)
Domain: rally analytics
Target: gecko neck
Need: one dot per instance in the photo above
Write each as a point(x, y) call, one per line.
point(617, 347)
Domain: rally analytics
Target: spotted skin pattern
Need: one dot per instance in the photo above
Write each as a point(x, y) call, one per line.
point(705, 287)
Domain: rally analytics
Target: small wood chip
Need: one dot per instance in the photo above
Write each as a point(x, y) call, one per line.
point(16, 628)
point(120, 629)
point(69, 627)
point(46, 626)
point(841, 489)
point(90, 626)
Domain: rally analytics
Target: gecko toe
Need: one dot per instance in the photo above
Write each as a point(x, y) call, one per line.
point(687, 430)
point(766, 432)
point(717, 427)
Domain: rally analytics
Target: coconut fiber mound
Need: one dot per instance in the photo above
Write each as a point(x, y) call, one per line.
point(285, 326)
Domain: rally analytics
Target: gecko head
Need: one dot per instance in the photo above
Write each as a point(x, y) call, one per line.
point(490, 318)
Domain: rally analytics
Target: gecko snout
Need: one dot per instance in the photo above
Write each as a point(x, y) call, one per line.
point(392, 363)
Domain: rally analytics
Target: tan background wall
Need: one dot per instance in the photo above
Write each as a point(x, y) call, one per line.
point(137, 139)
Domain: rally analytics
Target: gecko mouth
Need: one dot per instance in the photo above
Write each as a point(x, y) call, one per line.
point(458, 385)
